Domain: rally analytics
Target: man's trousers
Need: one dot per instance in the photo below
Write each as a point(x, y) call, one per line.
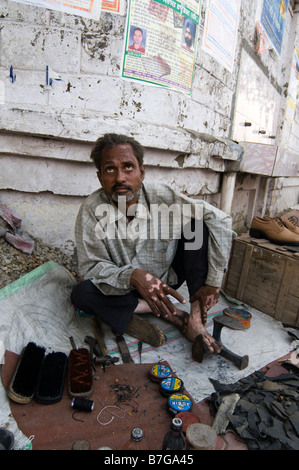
point(190, 266)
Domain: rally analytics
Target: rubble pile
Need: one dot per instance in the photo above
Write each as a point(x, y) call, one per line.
point(15, 264)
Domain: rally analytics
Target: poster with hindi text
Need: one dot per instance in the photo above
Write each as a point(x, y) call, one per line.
point(113, 6)
point(221, 31)
point(160, 42)
point(85, 8)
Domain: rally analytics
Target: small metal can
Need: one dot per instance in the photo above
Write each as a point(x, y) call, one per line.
point(159, 372)
point(179, 402)
point(171, 385)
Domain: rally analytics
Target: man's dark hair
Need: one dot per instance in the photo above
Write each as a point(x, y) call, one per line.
point(138, 29)
point(111, 140)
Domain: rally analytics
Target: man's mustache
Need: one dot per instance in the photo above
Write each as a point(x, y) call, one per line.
point(123, 186)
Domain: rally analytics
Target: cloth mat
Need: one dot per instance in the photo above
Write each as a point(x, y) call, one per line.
point(37, 308)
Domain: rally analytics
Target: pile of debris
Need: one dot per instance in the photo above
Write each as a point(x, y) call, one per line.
point(21, 253)
point(266, 415)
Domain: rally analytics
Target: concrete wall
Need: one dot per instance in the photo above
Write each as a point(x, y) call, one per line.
point(46, 132)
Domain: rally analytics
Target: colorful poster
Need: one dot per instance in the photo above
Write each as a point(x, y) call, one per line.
point(160, 42)
point(113, 6)
point(273, 20)
point(86, 8)
point(293, 86)
point(221, 31)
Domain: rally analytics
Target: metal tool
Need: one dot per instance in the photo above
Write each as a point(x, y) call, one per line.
point(98, 332)
point(92, 345)
point(123, 349)
point(104, 361)
point(219, 322)
point(140, 350)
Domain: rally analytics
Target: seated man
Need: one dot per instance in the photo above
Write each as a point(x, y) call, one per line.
point(138, 242)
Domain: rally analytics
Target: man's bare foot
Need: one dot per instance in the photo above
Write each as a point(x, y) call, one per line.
point(179, 319)
point(198, 334)
point(191, 326)
point(195, 322)
point(204, 345)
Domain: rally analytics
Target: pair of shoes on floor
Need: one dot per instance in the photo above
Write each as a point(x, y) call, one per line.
point(279, 230)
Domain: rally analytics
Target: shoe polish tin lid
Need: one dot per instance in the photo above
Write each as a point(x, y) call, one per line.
point(171, 385)
point(179, 402)
point(159, 372)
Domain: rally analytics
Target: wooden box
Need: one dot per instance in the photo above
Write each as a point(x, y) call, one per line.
point(265, 276)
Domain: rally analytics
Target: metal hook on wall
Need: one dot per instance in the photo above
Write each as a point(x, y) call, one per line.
point(12, 76)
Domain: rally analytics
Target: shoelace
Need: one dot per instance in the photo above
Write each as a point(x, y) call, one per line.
point(279, 221)
point(293, 219)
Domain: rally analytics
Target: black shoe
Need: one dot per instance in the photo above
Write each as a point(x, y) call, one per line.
point(6, 439)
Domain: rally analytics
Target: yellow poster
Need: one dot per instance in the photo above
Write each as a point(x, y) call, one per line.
point(160, 42)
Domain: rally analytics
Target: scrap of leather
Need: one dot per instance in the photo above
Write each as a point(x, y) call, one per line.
point(266, 416)
point(145, 331)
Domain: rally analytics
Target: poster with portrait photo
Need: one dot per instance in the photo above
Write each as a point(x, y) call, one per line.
point(137, 41)
point(159, 54)
point(189, 34)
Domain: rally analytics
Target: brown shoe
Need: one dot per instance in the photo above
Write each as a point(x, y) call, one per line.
point(273, 230)
point(291, 222)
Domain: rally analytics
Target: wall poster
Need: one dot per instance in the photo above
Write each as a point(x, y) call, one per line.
point(86, 8)
point(221, 31)
point(273, 20)
point(160, 42)
point(293, 86)
point(113, 6)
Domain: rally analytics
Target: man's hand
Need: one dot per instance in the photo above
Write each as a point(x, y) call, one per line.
point(154, 292)
point(207, 296)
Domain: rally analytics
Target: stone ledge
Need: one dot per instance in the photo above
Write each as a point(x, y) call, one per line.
point(86, 128)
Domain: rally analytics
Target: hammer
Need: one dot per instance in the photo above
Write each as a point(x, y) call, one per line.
point(219, 322)
point(95, 350)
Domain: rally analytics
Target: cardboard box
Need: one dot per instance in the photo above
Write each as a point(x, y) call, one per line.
point(264, 276)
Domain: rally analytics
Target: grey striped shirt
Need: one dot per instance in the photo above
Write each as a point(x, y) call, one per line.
point(110, 246)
